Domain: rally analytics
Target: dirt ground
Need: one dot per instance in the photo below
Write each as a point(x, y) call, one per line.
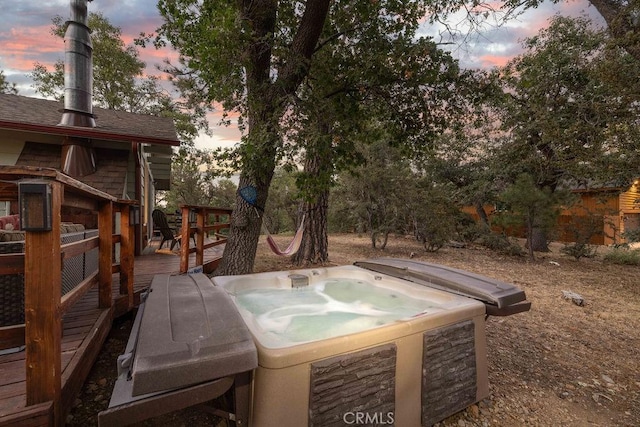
point(558, 365)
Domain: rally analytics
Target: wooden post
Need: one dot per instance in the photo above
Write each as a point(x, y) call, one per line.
point(43, 328)
point(105, 230)
point(127, 247)
point(184, 241)
point(200, 220)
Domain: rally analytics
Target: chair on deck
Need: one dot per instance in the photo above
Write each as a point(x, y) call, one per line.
point(161, 224)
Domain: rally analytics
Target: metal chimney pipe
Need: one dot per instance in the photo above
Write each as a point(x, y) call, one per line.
point(78, 69)
point(78, 158)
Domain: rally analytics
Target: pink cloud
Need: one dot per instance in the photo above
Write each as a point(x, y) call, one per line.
point(22, 47)
point(490, 61)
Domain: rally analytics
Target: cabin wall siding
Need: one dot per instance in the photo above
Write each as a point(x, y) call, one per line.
point(630, 200)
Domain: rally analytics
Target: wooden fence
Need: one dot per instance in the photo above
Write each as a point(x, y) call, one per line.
point(202, 222)
point(41, 264)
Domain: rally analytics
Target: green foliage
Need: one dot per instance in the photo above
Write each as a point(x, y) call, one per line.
point(529, 207)
point(432, 235)
point(632, 235)
point(368, 62)
point(466, 228)
point(281, 211)
point(49, 84)
point(623, 257)
point(193, 183)
point(500, 243)
point(212, 40)
point(583, 226)
point(119, 81)
point(5, 86)
point(579, 250)
point(571, 99)
point(374, 197)
point(386, 196)
point(434, 217)
point(307, 77)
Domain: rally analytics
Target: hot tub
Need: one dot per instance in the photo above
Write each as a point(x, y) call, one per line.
point(382, 342)
point(347, 345)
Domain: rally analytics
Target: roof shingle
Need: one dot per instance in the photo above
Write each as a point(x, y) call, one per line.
point(21, 112)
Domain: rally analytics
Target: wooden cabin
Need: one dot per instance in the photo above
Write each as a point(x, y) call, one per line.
point(606, 213)
point(602, 214)
point(132, 152)
point(63, 282)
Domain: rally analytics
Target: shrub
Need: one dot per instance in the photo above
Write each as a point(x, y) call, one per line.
point(433, 238)
point(501, 244)
point(623, 257)
point(434, 218)
point(632, 235)
point(579, 250)
point(467, 229)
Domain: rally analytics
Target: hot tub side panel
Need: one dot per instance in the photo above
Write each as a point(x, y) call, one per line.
point(280, 396)
point(347, 387)
point(284, 396)
point(454, 374)
point(329, 392)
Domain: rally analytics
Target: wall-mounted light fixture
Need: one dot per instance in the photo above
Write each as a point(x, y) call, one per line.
point(134, 215)
point(34, 198)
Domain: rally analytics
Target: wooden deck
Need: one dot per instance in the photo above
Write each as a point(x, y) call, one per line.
point(152, 263)
point(85, 328)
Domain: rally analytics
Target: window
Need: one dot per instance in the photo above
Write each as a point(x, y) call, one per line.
point(4, 208)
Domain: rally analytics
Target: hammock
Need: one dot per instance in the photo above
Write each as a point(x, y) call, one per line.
point(293, 246)
point(249, 195)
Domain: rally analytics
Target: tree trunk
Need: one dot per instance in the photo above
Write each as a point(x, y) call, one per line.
point(539, 241)
point(266, 102)
point(529, 238)
point(315, 246)
point(482, 214)
point(259, 163)
point(318, 164)
point(385, 239)
point(240, 250)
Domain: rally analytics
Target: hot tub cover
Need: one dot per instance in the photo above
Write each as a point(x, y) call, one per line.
point(499, 297)
point(190, 333)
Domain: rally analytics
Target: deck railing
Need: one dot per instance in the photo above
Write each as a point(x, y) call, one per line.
point(204, 221)
point(41, 265)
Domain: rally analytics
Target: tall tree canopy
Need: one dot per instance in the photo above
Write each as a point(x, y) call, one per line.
point(571, 111)
point(573, 107)
point(622, 18)
point(623, 22)
point(380, 81)
point(274, 62)
point(241, 55)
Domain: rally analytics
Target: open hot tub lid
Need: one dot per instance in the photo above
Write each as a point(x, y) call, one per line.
point(190, 333)
point(500, 298)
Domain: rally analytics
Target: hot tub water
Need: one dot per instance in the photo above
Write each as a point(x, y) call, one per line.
point(327, 309)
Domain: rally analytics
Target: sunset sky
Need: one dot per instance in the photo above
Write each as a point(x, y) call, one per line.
point(25, 39)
